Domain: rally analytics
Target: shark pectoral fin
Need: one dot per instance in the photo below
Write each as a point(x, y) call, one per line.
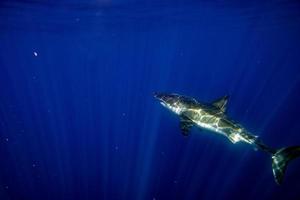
point(185, 125)
point(221, 103)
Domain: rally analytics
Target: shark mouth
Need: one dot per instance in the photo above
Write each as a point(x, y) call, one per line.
point(164, 104)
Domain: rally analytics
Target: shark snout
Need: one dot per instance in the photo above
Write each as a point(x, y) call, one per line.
point(160, 96)
point(157, 95)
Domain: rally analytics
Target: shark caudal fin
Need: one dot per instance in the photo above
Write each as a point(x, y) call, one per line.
point(281, 158)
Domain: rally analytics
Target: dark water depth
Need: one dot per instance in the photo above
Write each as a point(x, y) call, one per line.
point(77, 115)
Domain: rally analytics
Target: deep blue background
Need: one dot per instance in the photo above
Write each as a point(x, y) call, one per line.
point(77, 116)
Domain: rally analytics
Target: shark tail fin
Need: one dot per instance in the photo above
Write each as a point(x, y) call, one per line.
point(280, 159)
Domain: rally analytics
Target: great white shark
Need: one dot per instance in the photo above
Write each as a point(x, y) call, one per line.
point(212, 117)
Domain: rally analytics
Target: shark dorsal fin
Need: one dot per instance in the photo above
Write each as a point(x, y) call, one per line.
point(221, 103)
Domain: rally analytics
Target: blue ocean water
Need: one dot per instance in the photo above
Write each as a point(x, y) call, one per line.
point(77, 115)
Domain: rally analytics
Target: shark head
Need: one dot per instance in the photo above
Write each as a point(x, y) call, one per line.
point(175, 102)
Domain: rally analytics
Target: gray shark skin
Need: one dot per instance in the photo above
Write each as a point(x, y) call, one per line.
point(212, 117)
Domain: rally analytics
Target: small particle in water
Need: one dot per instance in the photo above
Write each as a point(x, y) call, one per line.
point(175, 181)
point(123, 114)
point(77, 19)
point(35, 53)
point(33, 165)
point(116, 148)
point(6, 187)
point(6, 139)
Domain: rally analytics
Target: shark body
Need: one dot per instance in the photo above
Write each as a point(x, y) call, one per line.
point(212, 117)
